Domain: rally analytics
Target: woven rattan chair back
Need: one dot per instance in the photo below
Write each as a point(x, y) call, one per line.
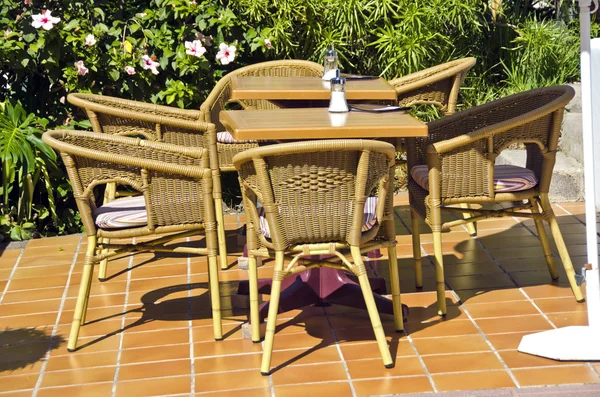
point(460, 154)
point(438, 85)
point(123, 117)
point(176, 183)
point(469, 142)
point(314, 192)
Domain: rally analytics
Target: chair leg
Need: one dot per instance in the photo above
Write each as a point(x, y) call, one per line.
point(416, 239)
point(561, 246)
point(221, 233)
point(539, 225)
point(253, 284)
point(439, 273)
point(395, 282)
point(103, 263)
point(363, 280)
point(265, 367)
point(82, 296)
point(471, 227)
point(215, 296)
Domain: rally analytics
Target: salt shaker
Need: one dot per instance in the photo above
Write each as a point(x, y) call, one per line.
point(338, 103)
point(330, 64)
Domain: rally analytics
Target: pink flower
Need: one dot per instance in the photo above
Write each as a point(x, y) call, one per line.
point(195, 48)
point(27, 2)
point(226, 53)
point(130, 70)
point(81, 69)
point(90, 40)
point(44, 20)
point(268, 43)
point(148, 63)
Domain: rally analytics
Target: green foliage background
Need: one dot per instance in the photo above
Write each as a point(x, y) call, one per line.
point(518, 45)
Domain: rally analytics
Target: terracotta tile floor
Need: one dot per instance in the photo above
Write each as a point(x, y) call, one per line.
point(498, 291)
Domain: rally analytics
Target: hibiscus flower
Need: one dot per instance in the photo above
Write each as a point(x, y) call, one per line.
point(90, 40)
point(44, 20)
point(130, 70)
point(226, 53)
point(194, 48)
point(148, 63)
point(81, 69)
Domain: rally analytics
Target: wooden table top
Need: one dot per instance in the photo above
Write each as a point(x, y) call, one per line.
point(319, 123)
point(307, 88)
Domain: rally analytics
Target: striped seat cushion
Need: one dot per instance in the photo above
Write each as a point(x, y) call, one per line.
point(369, 218)
point(122, 213)
point(507, 178)
point(226, 137)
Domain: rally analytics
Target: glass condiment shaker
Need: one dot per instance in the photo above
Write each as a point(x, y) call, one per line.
point(330, 63)
point(337, 103)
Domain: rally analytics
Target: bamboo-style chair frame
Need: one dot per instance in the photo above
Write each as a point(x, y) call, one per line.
point(313, 194)
point(167, 124)
point(220, 97)
point(176, 182)
point(460, 152)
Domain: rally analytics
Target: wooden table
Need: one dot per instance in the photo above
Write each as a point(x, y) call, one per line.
point(318, 123)
point(320, 286)
point(307, 88)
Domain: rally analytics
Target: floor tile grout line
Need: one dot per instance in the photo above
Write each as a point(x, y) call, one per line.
point(489, 343)
point(420, 358)
point(270, 377)
point(38, 383)
point(122, 333)
point(339, 350)
point(538, 308)
point(190, 328)
point(12, 273)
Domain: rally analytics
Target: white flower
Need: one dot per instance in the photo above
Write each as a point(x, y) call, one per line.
point(226, 53)
point(268, 43)
point(44, 20)
point(130, 70)
point(62, 100)
point(81, 69)
point(195, 48)
point(90, 40)
point(148, 63)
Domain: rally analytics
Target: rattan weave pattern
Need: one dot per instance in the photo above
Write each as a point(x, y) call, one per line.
point(314, 187)
point(438, 85)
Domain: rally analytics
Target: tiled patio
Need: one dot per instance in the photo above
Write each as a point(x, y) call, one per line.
point(499, 290)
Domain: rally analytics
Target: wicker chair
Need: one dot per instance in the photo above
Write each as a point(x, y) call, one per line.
point(438, 85)
point(313, 194)
point(455, 165)
point(220, 97)
point(176, 184)
point(182, 127)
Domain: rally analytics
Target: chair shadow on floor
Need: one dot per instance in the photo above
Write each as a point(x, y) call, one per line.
point(157, 306)
point(21, 347)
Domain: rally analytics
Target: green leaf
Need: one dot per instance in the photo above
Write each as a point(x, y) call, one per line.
point(99, 12)
point(71, 25)
point(114, 74)
point(29, 37)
